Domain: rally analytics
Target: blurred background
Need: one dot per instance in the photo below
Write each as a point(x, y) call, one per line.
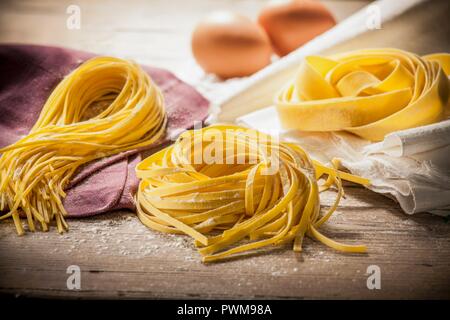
point(151, 31)
point(158, 32)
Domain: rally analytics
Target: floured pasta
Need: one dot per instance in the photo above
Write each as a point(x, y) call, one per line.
point(35, 170)
point(234, 189)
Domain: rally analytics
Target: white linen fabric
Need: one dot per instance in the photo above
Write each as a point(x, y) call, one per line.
point(411, 166)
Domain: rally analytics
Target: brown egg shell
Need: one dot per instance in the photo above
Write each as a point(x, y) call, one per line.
point(230, 45)
point(291, 24)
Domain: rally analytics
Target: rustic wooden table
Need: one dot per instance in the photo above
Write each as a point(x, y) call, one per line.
point(120, 258)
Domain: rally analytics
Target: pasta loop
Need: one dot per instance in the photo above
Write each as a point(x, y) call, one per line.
point(367, 92)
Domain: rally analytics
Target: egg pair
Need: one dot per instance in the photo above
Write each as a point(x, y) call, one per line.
point(231, 45)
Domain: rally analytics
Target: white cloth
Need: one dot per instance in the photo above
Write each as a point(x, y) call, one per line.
point(412, 166)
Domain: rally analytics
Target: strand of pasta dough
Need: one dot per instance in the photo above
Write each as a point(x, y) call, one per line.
point(368, 92)
point(35, 170)
point(269, 197)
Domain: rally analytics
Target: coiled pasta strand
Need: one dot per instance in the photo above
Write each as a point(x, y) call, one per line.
point(35, 170)
point(234, 189)
point(370, 92)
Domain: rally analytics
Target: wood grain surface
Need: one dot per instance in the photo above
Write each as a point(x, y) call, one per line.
point(120, 258)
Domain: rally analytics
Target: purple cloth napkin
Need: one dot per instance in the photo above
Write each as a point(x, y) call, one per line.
point(28, 75)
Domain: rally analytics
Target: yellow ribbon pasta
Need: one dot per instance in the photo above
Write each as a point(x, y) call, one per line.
point(368, 92)
point(234, 189)
point(35, 170)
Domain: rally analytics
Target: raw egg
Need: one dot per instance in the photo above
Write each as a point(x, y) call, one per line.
point(290, 24)
point(230, 45)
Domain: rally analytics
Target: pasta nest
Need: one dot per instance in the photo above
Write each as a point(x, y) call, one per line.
point(129, 114)
point(234, 189)
point(370, 93)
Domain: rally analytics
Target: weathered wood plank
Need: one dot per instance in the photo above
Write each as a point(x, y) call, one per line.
point(119, 257)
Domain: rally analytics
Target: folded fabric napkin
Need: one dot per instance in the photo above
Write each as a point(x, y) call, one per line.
point(28, 75)
point(412, 166)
